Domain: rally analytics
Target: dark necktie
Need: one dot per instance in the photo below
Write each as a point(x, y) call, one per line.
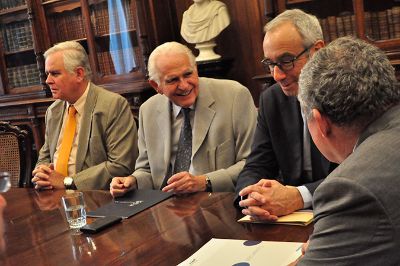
point(184, 153)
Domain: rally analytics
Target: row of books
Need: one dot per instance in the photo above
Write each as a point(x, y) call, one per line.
point(111, 19)
point(68, 25)
point(5, 4)
point(22, 76)
point(383, 25)
point(379, 25)
point(17, 36)
point(334, 27)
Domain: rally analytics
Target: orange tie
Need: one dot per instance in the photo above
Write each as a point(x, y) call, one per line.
point(66, 142)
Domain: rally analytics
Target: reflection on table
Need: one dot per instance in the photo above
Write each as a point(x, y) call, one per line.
point(37, 232)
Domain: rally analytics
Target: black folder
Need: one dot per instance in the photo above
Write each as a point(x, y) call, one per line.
point(131, 203)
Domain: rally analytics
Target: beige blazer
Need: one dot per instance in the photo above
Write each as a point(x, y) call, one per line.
point(107, 144)
point(224, 122)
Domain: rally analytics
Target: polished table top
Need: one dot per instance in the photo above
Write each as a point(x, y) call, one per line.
point(37, 232)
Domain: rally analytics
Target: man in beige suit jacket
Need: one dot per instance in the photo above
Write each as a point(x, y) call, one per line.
point(105, 142)
point(222, 122)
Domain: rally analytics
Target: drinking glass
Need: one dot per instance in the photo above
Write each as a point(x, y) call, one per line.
point(74, 206)
point(5, 182)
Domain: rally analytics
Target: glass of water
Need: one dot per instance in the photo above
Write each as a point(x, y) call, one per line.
point(74, 207)
point(5, 182)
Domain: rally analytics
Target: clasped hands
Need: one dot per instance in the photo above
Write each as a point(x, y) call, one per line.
point(268, 199)
point(45, 177)
point(180, 183)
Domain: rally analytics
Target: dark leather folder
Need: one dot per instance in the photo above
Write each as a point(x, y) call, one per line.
point(130, 204)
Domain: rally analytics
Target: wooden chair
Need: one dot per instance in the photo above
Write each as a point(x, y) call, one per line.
point(16, 154)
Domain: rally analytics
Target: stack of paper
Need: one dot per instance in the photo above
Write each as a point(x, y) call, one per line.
point(245, 252)
point(302, 218)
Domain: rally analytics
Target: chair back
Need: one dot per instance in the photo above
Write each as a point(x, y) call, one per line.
point(15, 154)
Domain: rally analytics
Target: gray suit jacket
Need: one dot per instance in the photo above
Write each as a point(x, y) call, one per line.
point(357, 214)
point(107, 144)
point(223, 127)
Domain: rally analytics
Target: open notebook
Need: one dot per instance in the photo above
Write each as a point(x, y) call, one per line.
point(302, 218)
point(131, 203)
point(244, 252)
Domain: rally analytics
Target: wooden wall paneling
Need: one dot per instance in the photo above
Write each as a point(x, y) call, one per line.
point(243, 42)
point(166, 21)
point(92, 53)
point(3, 73)
point(157, 22)
point(38, 46)
point(180, 7)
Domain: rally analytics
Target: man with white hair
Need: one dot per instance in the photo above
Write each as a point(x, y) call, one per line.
point(213, 119)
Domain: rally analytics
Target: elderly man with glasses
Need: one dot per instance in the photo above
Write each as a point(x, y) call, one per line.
point(284, 163)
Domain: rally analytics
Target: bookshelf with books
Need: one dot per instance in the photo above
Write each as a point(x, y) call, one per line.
point(19, 72)
point(113, 24)
point(118, 36)
point(375, 21)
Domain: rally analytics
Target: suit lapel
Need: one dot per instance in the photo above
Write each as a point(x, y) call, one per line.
point(55, 123)
point(164, 128)
point(86, 127)
point(204, 114)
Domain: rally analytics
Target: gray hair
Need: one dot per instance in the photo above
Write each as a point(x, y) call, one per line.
point(307, 25)
point(349, 81)
point(168, 48)
point(74, 56)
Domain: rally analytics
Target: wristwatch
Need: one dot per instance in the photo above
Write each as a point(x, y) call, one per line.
point(208, 185)
point(69, 182)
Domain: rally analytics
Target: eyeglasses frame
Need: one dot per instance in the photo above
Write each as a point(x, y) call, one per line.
point(271, 65)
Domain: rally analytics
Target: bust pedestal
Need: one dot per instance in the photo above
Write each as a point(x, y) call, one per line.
point(206, 51)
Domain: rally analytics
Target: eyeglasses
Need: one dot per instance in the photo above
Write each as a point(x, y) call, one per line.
point(284, 65)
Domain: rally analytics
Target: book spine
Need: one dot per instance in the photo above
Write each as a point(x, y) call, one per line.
point(383, 25)
point(340, 27)
point(332, 27)
point(390, 24)
point(396, 21)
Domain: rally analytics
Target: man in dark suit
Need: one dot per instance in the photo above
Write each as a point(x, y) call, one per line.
point(282, 151)
point(351, 97)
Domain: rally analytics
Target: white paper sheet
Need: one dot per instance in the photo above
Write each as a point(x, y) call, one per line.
point(244, 252)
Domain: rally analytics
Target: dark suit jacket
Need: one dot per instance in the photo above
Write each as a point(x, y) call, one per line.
point(277, 149)
point(356, 208)
point(107, 144)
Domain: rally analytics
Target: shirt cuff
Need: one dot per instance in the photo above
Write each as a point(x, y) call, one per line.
point(306, 195)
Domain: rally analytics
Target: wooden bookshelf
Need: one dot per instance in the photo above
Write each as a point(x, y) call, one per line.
point(24, 96)
point(377, 22)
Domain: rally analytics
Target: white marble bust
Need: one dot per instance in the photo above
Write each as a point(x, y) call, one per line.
point(204, 20)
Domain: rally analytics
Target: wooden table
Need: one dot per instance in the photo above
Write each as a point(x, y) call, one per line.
point(37, 232)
